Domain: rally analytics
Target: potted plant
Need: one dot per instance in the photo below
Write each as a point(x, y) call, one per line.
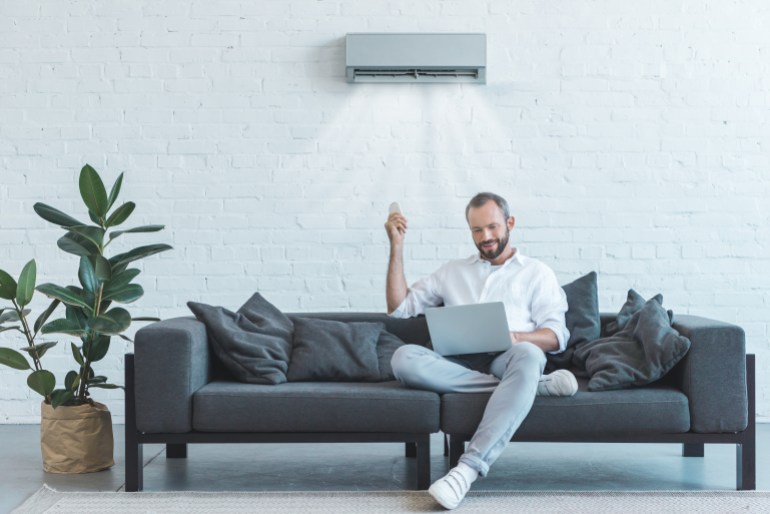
point(76, 431)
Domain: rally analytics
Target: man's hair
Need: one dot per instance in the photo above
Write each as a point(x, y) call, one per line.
point(482, 198)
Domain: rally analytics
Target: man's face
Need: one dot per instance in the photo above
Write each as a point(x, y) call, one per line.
point(490, 230)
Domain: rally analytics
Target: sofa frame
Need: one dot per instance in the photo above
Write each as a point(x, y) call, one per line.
point(417, 445)
point(693, 444)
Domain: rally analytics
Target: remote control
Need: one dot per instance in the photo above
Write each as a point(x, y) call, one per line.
point(394, 208)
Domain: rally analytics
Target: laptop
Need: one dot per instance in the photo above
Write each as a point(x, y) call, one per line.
point(463, 329)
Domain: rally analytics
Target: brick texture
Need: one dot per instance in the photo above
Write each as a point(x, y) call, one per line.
point(630, 138)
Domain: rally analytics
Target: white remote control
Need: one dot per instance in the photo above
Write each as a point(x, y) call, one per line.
point(394, 208)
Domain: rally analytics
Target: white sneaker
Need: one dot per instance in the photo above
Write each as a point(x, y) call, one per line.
point(559, 383)
point(450, 490)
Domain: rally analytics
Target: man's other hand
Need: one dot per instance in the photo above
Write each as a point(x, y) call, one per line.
point(396, 227)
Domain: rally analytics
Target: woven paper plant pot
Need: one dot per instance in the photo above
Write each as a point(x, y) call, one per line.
point(76, 439)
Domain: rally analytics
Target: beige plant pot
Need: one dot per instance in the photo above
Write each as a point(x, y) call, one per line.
point(76, 439)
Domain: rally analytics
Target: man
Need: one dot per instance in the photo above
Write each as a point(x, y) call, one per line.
point(535, 305)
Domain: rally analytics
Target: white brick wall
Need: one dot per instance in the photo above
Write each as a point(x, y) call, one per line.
point(630, 138)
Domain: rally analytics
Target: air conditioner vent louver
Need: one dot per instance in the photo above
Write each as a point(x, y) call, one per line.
point(416, 58)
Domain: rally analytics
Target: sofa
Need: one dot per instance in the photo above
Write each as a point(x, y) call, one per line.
point(707, 398)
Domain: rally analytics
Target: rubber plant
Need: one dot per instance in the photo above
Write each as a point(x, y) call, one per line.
point(90, 313)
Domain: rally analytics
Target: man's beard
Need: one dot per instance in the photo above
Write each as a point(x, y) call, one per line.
point(502, 244)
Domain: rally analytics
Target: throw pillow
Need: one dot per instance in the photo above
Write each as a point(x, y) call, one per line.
point(253, 344)
point(582, 318)
point(326, 350)
point(387, 345)
point(645, 350)
point(634, 303)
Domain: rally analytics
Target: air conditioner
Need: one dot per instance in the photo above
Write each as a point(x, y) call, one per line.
point(402, 57)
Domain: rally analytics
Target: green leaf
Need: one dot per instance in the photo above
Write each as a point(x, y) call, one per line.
point(61, 397)
point(87, 276)
point(76, 314)
point(115, 191)
point(112, 322)
point(26, 285)
point(94, 218)
point(93, 234)
point(123, 294)
point(55, 216)
point(77, 245)
point(92, 191)
point(45, 315)
point(102, 269)
point(72, 380)
point(63, 326)
point(7, 286)
point(99, 379)
point(13, 359)
point(106, 386)
point(42, 382)
point(10, 315)
point(66, 296)
point(143, 228)
point(98, 349)
point(138, 253)
point(14, 327)
point(76, 353)
point(125, 338)
point(122, 278)
point(120, 215)
point(39, 349)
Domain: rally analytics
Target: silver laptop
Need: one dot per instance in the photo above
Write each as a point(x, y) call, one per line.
point(462, 329)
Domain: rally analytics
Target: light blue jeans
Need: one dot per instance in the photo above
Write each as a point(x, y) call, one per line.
point(511, 377)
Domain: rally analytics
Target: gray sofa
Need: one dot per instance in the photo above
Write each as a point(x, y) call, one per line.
point(176, 394)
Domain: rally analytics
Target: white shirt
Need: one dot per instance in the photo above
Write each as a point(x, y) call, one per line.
point(528, 288)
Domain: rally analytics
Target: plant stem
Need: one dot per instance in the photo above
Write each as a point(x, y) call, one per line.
point(28, 335)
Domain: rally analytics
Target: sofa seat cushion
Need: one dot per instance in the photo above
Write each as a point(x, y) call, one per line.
point(224, 406)
point(650, 410)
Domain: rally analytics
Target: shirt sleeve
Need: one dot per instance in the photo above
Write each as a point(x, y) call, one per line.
point(423, 294)
point(549, 305)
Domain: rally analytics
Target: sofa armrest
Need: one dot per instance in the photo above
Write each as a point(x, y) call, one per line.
point(713, 374)
point(171, 362)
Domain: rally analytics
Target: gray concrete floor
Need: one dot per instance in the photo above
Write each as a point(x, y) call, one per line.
point(379, 467)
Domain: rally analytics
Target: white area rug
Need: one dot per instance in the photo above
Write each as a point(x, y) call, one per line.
point(47, 500)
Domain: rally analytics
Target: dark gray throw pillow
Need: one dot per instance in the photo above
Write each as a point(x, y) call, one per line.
point(645, 350)
point(387, 345)
point(582, 318)
point(327, 350)
point(253, 344)
point(634, 303)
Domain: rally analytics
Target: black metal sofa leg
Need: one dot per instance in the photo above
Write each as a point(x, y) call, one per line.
point(176, 451)
point(693, 450)
point(746, 453)
point(134, 449)
point(134, 467)
point(422, 450)
point(456, 449)
point(410, 450)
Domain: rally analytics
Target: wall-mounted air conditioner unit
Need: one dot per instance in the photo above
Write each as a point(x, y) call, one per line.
point(381, 57)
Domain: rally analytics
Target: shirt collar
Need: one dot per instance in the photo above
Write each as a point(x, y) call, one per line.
point(516, 257)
